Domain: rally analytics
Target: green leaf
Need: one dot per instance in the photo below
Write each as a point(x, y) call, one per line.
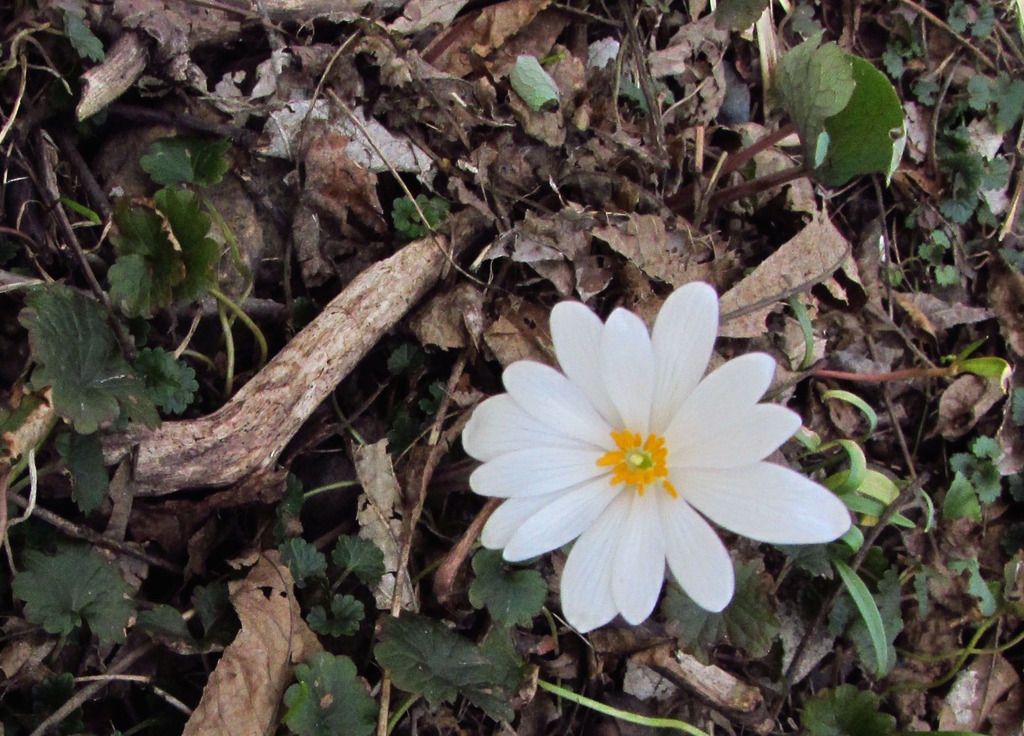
point(513, 597)
point(83, 456)
point(76, 354)
point(869, 613)
point(83, 41)
point(961, 500)
point(811, 558)
point(405, 357)
point(359, 556)
point(738, 15)
point(408, 221)
point(329, 699)
point(424, 656)
point(814, 83)
point(846, 711)
point(72, 587)
point(748, 622)
point(165, 622)
point(152, 270)
point(171, 384)
point(1009, 96)
point(988, 367)
point(533, 84)
point(869, 135)
point(976, 585)
point(185, 160)
point(191, 227)
point(345, 616)
point(303, 559)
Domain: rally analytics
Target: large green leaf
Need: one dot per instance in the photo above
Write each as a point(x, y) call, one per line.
point(329, 699)
point(76, 354)
point(846, 711)
point(73, 587)
point(513, 597)
point(359, 556)
point(164, 255)
point(738, 15)
point(869, 135)
point(83, 456)
point(748, 622)
point(185, 160)
point(424, 656)
point(170, 383)
point(813, 83)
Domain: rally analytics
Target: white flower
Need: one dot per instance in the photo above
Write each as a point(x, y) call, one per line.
point(630, 450)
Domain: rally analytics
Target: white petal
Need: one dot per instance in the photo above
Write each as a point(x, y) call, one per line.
point(576, 334)
point(732, 388)
point(729, 440)
point(551, 398)
point(535, 471)
point(766, 502)
point(586, 588)
point(498, 426)
point(683, 337)
point(561, 521)
point(627, 367)
point(639, 567)
point(508, 517)
point(696, 556)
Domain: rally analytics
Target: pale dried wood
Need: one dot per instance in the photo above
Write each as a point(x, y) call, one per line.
point(249, 432)
point(105, 82)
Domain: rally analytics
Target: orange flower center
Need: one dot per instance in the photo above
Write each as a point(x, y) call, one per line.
point(638, 462)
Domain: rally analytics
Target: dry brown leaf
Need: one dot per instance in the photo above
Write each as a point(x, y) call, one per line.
point(379, 516)
point(538, 39)
point(1010, 436)
point(471, 39)
point(666, 256)
point(963, 403)
point(935, 316)
point(243, 693)
point(810, 257)
point(1006, 294)
point(976, 692)
point(519, 333)
point(420, 14)
point(338, 186)
point(449, 316)
point(693, 57)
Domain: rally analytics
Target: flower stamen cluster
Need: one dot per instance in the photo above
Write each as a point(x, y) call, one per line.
point(638, 462)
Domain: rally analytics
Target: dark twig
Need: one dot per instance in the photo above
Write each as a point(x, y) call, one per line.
point(92, 187)
point(654, 119)
point(156, 116)
point(76, 701)
point(51, 193)
point(93, 537)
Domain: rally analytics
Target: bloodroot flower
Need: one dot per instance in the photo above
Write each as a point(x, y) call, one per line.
point(631, 449)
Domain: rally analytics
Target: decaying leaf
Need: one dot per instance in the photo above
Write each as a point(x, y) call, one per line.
point(935, 316)
point(1006, 294)
point(811, 256)
point(963, 403)
point(671, 257)
point(449, 317)
point(380, 520)
point(244, 692)
point(476, 35)
point(519, 333)
point(420, 14)
point(977, 691)
point(339, 186)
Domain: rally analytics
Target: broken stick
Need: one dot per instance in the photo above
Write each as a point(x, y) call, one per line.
point(249, 432)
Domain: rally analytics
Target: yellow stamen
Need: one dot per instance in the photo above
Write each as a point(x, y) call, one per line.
point(638, 462)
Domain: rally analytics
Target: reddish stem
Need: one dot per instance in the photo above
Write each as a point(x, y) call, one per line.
point(907, 374)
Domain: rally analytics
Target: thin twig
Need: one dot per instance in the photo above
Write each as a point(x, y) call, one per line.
point(655, 122)
point(412, 516)
point(936, 20)
point(79, 699)
point(444, 578)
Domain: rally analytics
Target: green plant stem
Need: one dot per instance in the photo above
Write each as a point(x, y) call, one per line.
point(396, 716)
point(257, 333)
point(205, 360)
point(229, 349)
point(957, 666)
point(623, 715)
point(329, 487)
point(1010, 644)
